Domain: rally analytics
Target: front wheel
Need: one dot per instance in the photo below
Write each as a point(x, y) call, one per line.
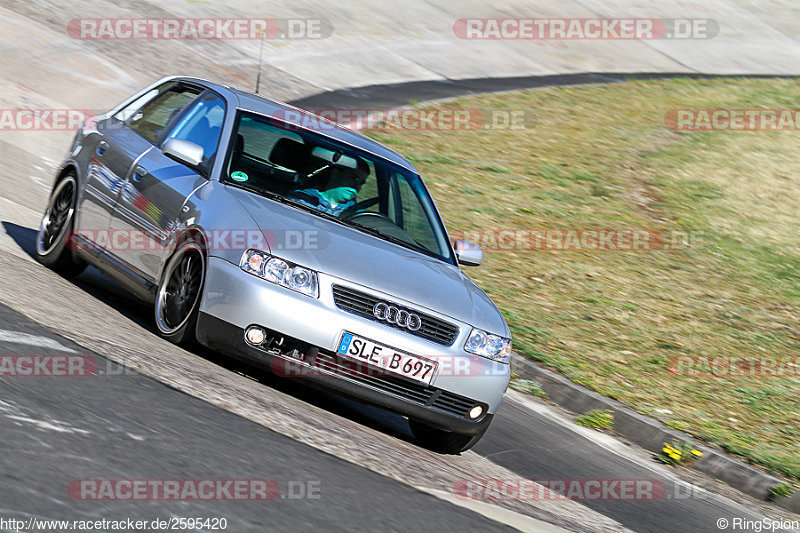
point(55, 231)
point(178, 299)
point(442, 441)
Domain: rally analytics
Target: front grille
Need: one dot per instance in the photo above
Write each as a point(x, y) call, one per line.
point(410, 390)
point(361, 304)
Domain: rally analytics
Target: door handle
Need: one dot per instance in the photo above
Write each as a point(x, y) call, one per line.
point(102, 147)
point(138, 172)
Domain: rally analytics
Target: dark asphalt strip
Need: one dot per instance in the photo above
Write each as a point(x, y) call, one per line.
point(536, 447)
point(402, 94)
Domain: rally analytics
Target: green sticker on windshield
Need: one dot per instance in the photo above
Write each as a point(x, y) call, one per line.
point(239, 176)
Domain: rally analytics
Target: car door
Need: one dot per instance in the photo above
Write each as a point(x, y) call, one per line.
point(114, 149)
point(155, 197)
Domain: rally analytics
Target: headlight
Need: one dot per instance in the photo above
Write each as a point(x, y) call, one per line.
point(291, 276)
point(490, 346)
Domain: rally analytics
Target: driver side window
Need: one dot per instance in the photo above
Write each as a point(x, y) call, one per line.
point(202, 125)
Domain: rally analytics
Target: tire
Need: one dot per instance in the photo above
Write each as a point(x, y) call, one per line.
point(53, 238)
point(441, 441)
point(179, 293)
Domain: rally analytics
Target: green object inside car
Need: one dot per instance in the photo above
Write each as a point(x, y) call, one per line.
point(339, 195)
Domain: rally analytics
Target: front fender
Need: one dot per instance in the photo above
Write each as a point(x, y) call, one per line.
point(226, 229)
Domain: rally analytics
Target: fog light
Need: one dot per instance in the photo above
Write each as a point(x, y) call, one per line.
point(476, 411)
point(255, 335)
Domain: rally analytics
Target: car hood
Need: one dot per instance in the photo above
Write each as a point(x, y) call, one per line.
point(364, 259)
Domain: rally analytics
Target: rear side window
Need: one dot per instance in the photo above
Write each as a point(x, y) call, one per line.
point(128, 111)
point(151, 119)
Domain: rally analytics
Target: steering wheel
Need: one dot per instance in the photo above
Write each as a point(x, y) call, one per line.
point(367, 214)
point(358, 206)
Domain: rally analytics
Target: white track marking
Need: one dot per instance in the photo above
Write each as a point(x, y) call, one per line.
point(498, 514)
point(54, 425)
point(15, 337)
point(17, 414)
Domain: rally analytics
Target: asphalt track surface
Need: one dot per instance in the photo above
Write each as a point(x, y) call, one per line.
point(127, 426)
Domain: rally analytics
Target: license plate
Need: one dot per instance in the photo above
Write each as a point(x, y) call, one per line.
point(386, 359)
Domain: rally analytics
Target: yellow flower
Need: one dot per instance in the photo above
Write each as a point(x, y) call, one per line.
point(697, 453)
point(674, 455)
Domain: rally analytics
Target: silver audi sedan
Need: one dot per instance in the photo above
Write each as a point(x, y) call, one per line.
point(270, 234)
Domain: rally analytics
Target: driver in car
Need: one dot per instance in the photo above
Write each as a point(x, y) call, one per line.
point(340, 192)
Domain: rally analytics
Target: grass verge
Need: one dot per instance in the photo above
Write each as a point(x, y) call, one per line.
point(725, 282)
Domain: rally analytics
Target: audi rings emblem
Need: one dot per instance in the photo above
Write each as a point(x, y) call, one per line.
point(398, 317)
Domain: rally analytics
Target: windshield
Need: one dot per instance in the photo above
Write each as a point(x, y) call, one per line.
point(335, 181)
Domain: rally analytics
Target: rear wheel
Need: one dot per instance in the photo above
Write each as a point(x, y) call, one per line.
point(55, 231)
point(178, 299)
point(442, 441)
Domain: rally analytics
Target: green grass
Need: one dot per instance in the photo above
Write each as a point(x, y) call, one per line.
point(528, 386)
point(600, 157)
point(596, 419)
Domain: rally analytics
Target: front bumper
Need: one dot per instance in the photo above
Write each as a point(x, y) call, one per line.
point(234, 300)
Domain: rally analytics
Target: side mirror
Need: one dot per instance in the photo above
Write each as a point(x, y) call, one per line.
point(468, 254)
point(183, 151)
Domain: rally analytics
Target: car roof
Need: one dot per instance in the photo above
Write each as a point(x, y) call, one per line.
point(264, 106)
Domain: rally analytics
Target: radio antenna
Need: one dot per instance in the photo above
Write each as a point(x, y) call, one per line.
point(260, 57)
